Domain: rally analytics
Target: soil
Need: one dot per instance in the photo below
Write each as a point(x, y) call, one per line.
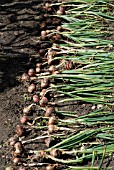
point(18, 19)
point(18, 27)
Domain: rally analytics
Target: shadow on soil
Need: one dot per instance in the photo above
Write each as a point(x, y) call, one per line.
point(10, 69)
point(18, 25)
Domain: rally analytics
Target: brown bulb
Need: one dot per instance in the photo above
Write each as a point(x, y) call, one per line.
point(50, 167)
point(31, 88)
point(48, 31)
point(59, 28)
point(46, 80)
point(55, 39)
point(51, 69)
point(43, 102)
point(49, 111)
point(44, 83)
point(43, 33)
point(23, 119)
point(40, 154)
point(27, 109)
point(18, 148)
point(38, 69)
point(12, 141)
point(59, 12)
point(52, 128)
point(31, 72)
point(47, 5)
point(38, 65)
point(24, 77)
point(55, 153)
point(42, 93)
point(36, 98)
point(46, 15)
point(19, 130)
point(16, 160)
point(61, 8)
point(18, 145)
point(51, 120)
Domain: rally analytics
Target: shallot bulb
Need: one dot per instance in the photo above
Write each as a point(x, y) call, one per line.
point(38, 65)
point(62, 8)
point(31, 88)
point(43, 102)
point(27, 109)
point(39, 154)
point(50, 167)
point(13, 140)
point(9, 168)
point(49, 111)
point(16, 160)
point(59, 28)
point(60, 12)
point(51, 69)
point(50, 57)
point(43, 33)
point(44, 83)
point(31, 72)
point(18, 145)
point(43, 92)
point(18, 148)
point(55, 153)
point(19, 130)
point(48, 31)
point(51, 120)
point(24, 77)
point(52, 128)
point(36, 98)
point(38, 69)
point(24, 119)
point(47, 5)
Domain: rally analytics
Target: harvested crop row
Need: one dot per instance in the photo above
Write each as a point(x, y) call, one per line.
point(74, 67)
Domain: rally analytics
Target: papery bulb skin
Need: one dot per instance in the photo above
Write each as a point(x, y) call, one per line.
point(31, 88)
point(36, 98)
point(31, 72)
point(43, 102)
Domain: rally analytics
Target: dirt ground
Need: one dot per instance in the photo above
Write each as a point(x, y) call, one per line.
point(18, 24)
